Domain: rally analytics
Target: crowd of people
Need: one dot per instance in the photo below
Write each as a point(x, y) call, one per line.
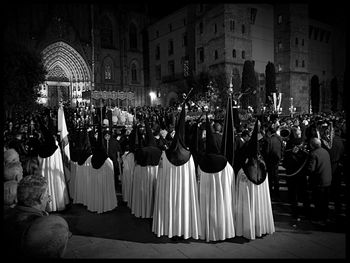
point(193, 172)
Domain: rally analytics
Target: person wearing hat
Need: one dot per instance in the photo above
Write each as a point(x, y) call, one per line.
point(147, 159)
point(33, 198)
point(253, 214)
point(176, 209)
point(216, 191)
point(51, 167)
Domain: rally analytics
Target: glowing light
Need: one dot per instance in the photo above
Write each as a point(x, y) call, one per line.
point(153, 95)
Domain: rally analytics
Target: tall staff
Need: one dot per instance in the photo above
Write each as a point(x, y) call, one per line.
point(92, 53)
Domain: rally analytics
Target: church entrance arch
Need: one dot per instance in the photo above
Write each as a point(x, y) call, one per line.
point(68, 75)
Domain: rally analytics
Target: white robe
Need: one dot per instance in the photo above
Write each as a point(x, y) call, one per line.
point(127, 176)
point(52, 169)
point(176, 208)
point(253, 216)
point(216, 201)
point(143, 190)
point(95, 187)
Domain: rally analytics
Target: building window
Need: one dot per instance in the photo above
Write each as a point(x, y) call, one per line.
point(253, 12)
point(108, 72)
point(311, 29)
point(232, 25)
point(280, 46)
point(170, 27)
point(215, 29)
point(303, 64)
point(243, 29)
point(316, 33)
point(200, 52)
point(323, 72)
point(296, 63)
point(234, 53)
point(133, 73)
point(296, 41)
point(243, 54)
point(328, 35)
point(171, 47)
point(280, 19)
point(302, 42)
point(171, 68)
point(185, 22)
point(133, 36)
point(200, 28)
point(158, 52)
point(184, 40)
point(201, 8)
point(322, 35)
point(216, 55)
point(106, 33)
point(157, 33)
point(158, 72)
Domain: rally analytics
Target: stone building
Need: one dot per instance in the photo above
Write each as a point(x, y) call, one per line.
point(91, 51)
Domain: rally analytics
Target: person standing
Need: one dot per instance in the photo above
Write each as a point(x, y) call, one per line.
point(320, 178)
point(272, 153)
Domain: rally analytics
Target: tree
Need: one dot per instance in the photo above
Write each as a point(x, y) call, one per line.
point(270, 82)
point(249, 83)
point(22, 72)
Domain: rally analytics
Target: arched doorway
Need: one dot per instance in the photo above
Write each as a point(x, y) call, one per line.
point(68, 74)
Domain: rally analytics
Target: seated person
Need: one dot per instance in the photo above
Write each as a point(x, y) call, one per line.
point(32, 199)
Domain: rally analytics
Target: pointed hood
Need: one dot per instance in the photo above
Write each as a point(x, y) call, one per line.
point(99, 153)
point(148, 154)
point(177, 153)
point(254, 167)
point(84, 147)
point(212, 161)
point(228, 137)
point(48, 144)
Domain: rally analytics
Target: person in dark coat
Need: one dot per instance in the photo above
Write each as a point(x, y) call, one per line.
point(217, 134)
point(272, 153)
point(337, 154)
point(320, 178)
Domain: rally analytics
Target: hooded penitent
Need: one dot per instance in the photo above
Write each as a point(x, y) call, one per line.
point(99, 153)
point(47, 145)
point(178, 154)
point(254, 167)
point(212, 161)
point(84, 147)
point(149, 154)
point(228, 137)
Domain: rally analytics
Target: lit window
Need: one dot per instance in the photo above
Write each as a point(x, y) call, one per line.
point(108, 72)
point(280, 19)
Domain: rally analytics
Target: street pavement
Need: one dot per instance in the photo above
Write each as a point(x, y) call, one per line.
point(119, 234)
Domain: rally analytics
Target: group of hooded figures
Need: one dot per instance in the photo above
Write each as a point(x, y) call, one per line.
point(186, 192)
